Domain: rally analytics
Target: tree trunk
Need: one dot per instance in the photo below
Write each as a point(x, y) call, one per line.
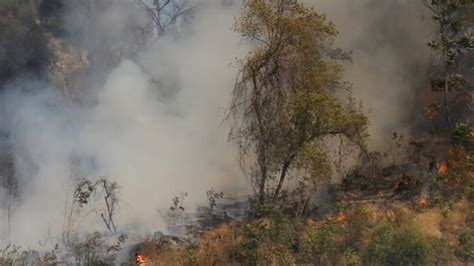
point(261, 186)
point(446, 81)
point(446, 103)
point(284, 170)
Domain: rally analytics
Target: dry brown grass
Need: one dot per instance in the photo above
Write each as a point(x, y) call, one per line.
point(455, 221)
point(429, 222)
point(209, 249)
point(214, 246)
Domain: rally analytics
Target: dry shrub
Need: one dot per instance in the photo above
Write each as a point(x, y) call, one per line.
point(212, 247)
point(9, 255)
point(357, 224)
point(429, 222)
point(90, 250)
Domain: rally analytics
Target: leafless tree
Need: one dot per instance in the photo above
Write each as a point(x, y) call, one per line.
point(212, 197)
point(109, 193)
point(165, 13)
point(89, 193)
point(10, 184)
point(72, 209)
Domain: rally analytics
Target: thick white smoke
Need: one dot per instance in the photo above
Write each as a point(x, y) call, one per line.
point(390, 59)
point(154, 124)
point(155, 145)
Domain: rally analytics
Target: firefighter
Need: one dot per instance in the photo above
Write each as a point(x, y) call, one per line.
point(140, 259)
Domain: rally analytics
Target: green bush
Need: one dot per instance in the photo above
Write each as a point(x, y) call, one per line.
point(351, 258)
point(404, 245)
point(322, 246)
point(466, 242)
point(274, 238)
point(246, 251)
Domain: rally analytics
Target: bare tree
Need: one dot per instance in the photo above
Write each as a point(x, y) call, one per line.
point(88, 193)
point(212, 197)
point(175, 216)
point(10, 184)
point(165, 13)
point(72, 209)
point(109, 193)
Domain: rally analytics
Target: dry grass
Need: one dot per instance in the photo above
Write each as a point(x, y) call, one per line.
point(429, 222)
point(209, 249)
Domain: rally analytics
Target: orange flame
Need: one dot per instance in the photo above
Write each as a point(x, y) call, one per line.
point(140, 259)
point(422, 201)
point(442, 168)
point(340, 217)
point(337, 218)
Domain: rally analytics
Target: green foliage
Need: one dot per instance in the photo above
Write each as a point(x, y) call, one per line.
point(466, 242)
point(390, 245)
point(23, 42)
point(462, 135)
point(284, 99)
point(459, 178)
point(453, 43)
point(323, 244)
point(351, 258)
point(247, 251)
point(274, 238)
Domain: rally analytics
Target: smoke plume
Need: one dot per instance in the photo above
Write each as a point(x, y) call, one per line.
point(153, 121)
point(155, 127)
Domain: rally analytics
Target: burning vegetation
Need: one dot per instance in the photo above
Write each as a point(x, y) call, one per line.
point(324, 191)
point(442, 168)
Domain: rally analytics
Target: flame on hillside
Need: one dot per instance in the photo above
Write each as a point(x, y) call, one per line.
point(310, 222)
point(337, 218)
point(422, 202)
point(442, 168)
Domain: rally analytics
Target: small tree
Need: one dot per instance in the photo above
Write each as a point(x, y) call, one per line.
point(88, 193)
point(289, 95)
point(109, 191)
point(176, 213)
point(72, 209)
point(212, 197)
point(454, 41)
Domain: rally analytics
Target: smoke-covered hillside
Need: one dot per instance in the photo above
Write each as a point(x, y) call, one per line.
point(298, 132)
